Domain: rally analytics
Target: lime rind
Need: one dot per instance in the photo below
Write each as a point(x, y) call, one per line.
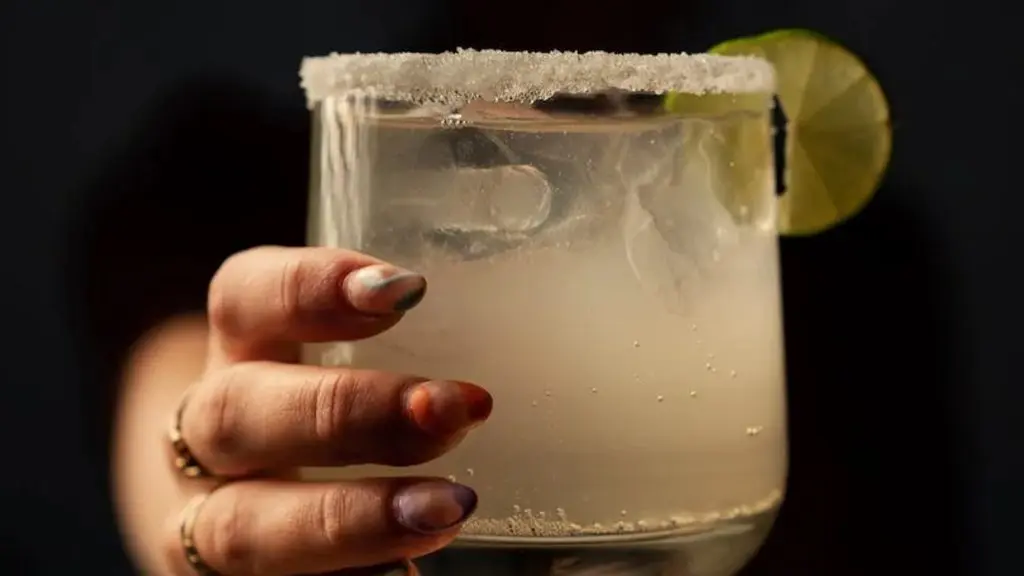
point(839, 134)
point(715, 104)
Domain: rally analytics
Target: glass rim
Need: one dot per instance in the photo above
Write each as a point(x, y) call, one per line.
point(457, 78)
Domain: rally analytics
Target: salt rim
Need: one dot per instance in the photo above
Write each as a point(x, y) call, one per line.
point(456, 78)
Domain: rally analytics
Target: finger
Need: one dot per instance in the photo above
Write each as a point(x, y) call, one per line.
point(264, 416)
point(265, 301)
point(272, 528)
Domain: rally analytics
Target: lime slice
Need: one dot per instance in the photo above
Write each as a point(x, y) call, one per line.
point(838, 138)
point(727, 146)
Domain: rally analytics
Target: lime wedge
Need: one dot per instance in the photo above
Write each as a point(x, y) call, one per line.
point(838, 138)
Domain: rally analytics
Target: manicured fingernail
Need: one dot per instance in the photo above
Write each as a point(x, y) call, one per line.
point(442, 407)
point(384, 289)
point(433, 506)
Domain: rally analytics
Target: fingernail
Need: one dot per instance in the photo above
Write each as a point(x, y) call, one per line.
point(384, 289)
point(443, 407)
point(433, 506)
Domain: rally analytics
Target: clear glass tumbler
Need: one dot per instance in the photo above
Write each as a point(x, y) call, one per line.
point(598, 235)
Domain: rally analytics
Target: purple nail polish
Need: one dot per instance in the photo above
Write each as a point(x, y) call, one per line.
point(433, 506)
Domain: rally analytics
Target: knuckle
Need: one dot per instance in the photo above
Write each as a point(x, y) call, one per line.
point(219, 305)
point(357, 417)
point(222, 301)
point(334, 510)
point(290, 289)
point(219, 308)
point(217, 412)
point(336, 398)
point(308, 289)
point(231, 541)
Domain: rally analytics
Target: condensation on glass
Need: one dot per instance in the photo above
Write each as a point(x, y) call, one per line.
point(604, 263)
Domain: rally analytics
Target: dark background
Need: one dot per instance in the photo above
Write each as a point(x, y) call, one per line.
point(142, 142)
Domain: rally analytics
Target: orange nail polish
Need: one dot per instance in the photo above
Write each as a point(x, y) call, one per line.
point(443, 407)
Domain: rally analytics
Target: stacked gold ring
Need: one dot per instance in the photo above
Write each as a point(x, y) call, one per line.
point(188, 542)
point(190, 468)
point(184, 461)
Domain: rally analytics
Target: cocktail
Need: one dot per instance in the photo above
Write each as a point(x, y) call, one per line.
point(604, 262)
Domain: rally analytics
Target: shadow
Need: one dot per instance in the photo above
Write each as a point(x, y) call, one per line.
point(875, 485)
point(13, 560)
point(214, 168)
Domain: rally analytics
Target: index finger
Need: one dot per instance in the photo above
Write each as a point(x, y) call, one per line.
point(266, 301)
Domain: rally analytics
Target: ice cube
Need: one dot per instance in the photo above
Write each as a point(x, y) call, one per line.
point(511, 199)
point(674, 227)
point(472, 212)
point(665, 273)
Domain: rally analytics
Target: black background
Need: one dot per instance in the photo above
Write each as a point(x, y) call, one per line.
point(142, 142)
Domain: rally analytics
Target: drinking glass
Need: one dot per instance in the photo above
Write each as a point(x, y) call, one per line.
point(598, 234)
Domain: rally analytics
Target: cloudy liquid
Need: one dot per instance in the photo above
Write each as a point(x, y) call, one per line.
point(639, 417)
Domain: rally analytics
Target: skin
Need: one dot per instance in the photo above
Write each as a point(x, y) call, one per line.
point(253, 415)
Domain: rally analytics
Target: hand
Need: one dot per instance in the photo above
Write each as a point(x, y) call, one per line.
point(256, 415)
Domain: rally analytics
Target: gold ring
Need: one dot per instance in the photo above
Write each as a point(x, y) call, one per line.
point(184, 461)
point(188, 542)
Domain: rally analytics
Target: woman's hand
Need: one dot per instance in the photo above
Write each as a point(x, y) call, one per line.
point(254, 415)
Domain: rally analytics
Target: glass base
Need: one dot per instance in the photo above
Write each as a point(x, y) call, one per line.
point(721, 549)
